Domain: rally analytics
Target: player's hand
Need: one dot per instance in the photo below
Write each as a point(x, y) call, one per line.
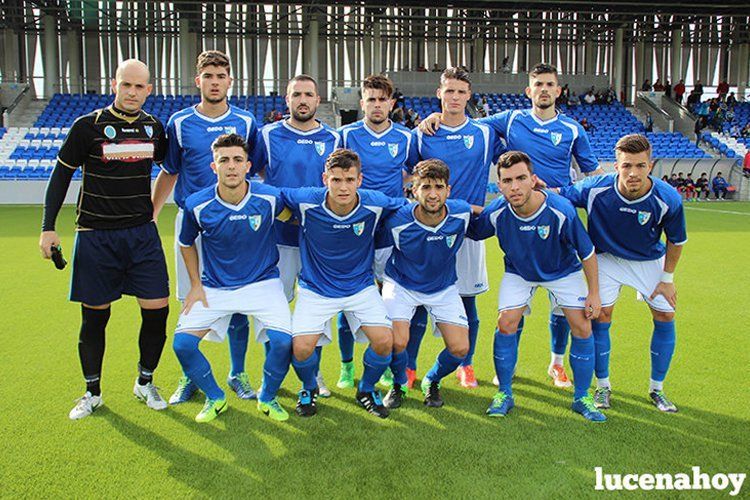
point(430, 124)
point(668, 291)
point(196, 294)
point(47, 240)
point(593, 306)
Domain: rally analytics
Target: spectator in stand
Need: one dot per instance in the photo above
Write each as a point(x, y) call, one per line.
point(700, 123)
point(701, 187)
point(646, 87)
point(611, 95)
point(587, 126)
point(658, 86)
point(722, 90)
point(731, 99)
point(679, 91)
point(668, 89)
point(665, 178)
point(673, 181)
point(398, 98)
point(485, 106)
point(649, 122)
point(412, 118)
point(590, 98)
point(734, 130)
point(689, 188)
point(436, 68)
point(698, 89)
point(720, 187)
point(745, 130)
point(421, 69)
point(505, 67)
point(680, 183)
point(397, 116)
point(573, 100)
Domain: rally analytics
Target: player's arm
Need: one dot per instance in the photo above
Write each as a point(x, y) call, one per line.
point(57, 188)
point(188, 233)
point(170, 169)
point(584, 155)
point(431, 124)
point(578, 192)
point(676, 231)
point(481, 226)
point(163, 185)
point(593, 301)
point(259, 156)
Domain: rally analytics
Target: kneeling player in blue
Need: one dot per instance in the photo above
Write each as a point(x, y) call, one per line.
point(235, 219)
point(544, 243)
point(627, 213)
point(422, 273)
point(337, 248)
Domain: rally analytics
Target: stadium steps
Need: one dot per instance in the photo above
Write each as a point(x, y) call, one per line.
point(326, 114)
point(30, 114)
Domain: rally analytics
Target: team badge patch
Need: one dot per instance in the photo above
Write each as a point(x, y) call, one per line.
point(230, 130)
point(643, 217)
point(555, 137)
point(254, 221)
point(450, 240)
point(110, 132)
point(149, 130)
point(359, 228)
point(542, 231)
point(393, 149)
point(468, 141)
point(320, 147)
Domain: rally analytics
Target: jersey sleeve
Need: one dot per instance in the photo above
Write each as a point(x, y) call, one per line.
point(412, 154)
point(674, 224)
point(75, 149)
point(258, 155)
point(578, 193)
point(161, 147)
point(497, 122)
point(481, 226)
point(173, 161)
point(583, 154)
point(576, 234)
point(252, 138)
point(190, 229)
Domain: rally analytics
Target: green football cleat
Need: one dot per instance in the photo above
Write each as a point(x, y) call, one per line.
point(387, 378)
point(274, 410)
point(501, 404)
point(586, 407)
point(346, 377)
point(212, 409)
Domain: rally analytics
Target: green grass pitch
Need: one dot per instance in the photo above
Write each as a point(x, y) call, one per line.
point(541, 450)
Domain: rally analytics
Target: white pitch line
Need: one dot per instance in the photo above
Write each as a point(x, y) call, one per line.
point(717, 211)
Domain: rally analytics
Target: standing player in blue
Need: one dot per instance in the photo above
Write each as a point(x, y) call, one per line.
point(468, 148)
point(422, 272)
point(627, 213)
point(187, 169)
point(235, 218)
point(544, 243)
point(551, 140)
point(387, 153)
point(337, 248)
point(291, 154)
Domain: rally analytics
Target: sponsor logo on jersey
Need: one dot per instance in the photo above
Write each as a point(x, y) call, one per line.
point(643, 217)
point(453, 137)
point(540, 130)
point(304, 141)
point(238, 217)
point(377, 143)
point(542, 231)
point(393, 149)
point(320, 147)
point(555, 137)
point(254, 221)
point(468, 141)
point(435, 238)
point(149, 130)
point(110, 131)
point(129, 130)
point(628, 210)
point(128, 151)
point(450, 240)
point(358, 228)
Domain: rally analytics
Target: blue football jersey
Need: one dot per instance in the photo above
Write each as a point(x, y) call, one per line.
point(337, 252)
point(629, 229)
point(424, 257)
point(468, 150)
point(542, 247)
point(550, 144)
point(237, 241)
point(293, 158)
point(384, 156)
point(190, 135)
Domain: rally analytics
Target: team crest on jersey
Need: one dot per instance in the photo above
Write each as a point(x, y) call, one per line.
point(254, 221)
point(468, 141)
point(450, 240)
point(393, 149)
point(555, 137)
point(320, 147)
point(110, 131)
point(643, 217)
point(230, 130)
point(358, 228)
point(149, 130)
point(542, 231)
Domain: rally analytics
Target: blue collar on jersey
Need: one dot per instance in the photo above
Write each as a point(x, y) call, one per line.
point(238, 206)
point(637, 200)
point(543, 122)
point(340, 217)
point(376, 134)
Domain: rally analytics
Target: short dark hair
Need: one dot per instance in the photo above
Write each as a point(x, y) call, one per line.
point(633, 144)
point(343, 159)
point(455, 73)
point(378, 82)
point(229, 141)
point(431, 169)
point(212, 58)
point(542, 69)
point(302, 78)
point(511, 158)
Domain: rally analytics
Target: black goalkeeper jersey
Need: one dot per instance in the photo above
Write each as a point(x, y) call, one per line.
point(115, 152)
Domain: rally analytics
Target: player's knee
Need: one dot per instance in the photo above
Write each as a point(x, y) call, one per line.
point(382, 344)
point(507, 325)
point(182, 345)
point(605, 315)
point(665, 317)
point(302, 350)
point(580, 328)
point(400, 344)
point(459, 349)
